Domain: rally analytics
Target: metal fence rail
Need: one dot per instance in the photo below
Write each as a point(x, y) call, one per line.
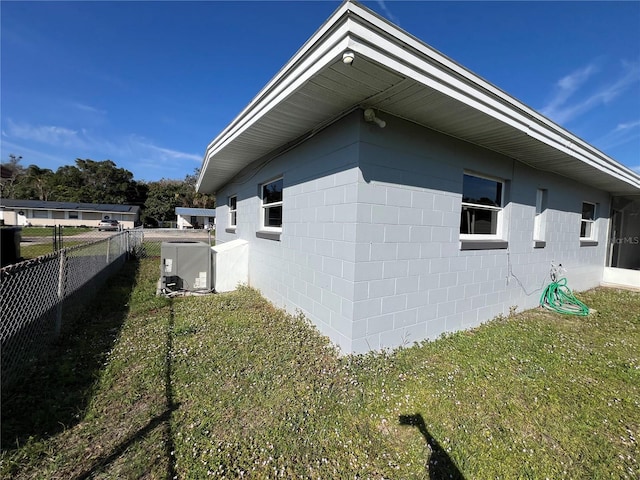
point(35, 294)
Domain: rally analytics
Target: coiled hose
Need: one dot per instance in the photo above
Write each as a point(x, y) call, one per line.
point(559, 298)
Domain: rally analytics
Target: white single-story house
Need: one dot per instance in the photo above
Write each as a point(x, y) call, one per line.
point(195, 218)
point(69, 214)
point(392, 195)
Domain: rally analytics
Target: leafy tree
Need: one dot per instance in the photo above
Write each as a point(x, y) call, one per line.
point(91, 181)
point(35, 183)
point(197, 199)
point(162, 199)
point(68, 185)
point(165, 195)
point(11, 173)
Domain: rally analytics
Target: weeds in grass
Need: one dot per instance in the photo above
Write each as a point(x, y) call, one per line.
point(227, 386)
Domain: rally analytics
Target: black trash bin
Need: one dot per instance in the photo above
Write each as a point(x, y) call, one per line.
point(10, 245)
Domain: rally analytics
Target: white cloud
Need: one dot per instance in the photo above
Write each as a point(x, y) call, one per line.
point(169, 154)
point(145, 149)
point(627, 126)
point(388, 13)
point(623, 133)
point(48, 134)
point(88, 108)
point(53, 146)
point(566, 87)
point(42, 158)
point(562, 111)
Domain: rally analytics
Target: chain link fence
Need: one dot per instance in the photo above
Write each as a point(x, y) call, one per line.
point(37, 294)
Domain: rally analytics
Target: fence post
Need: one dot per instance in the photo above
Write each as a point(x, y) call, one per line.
point(62, 280)
point(108, 249)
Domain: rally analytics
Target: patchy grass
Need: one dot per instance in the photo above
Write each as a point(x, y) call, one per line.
point(95, 406)
point(230, 387)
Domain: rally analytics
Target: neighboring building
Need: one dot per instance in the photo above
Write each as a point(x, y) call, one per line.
point(196, 218)
point(392, 195)
point(40, 213)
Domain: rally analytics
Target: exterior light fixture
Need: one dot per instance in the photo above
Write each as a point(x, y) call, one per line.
point(347, 57)
point(370, 116)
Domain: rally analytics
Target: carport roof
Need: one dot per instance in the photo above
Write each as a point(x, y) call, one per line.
point(202, 212)
point(395, 72)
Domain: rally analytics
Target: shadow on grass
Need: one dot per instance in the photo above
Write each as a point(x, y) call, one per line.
point(163, 419)
point(53, 394)
point(441, 466)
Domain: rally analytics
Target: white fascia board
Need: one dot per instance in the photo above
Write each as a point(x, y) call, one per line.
point(306, 70)
point(473, 92)
point(278, 90)
point(278, 83)
point(289, 70)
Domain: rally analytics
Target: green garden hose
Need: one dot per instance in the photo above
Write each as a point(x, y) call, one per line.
point(559, 298)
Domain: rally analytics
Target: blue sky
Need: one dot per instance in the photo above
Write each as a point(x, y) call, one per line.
point(150, 84)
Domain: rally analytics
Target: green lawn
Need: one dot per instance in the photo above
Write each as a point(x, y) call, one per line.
point(230, 387)
point(48, 231)
point(43, 243)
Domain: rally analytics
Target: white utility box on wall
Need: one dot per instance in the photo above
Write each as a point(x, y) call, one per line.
point(230, 265)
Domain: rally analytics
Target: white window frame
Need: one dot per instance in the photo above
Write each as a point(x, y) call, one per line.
point(590, 223)
point(539, 221)
point(233, 212)
point(499, 210)
point(265, 206)
point(41, 214)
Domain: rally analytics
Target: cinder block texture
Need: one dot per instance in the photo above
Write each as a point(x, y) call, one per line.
point(370, 245)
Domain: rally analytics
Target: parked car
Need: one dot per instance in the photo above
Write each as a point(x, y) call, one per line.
point(109, 225)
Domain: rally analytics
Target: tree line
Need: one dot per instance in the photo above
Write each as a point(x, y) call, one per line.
point(90, 181)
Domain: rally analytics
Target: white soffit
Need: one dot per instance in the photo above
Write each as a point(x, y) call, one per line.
point(396, 73)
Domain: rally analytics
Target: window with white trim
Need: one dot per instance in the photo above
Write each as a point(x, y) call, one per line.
point(588, 221)
point(40, 214)
point(233, 211)
point(482, 205)
point(73, 215)
point(539, 221)
point(272, 204)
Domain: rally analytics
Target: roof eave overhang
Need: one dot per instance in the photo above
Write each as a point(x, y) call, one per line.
point(373, 39)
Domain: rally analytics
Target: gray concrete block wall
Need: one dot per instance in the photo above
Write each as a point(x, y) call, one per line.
point(412, 279)
point(370, 248)
point(311, 268)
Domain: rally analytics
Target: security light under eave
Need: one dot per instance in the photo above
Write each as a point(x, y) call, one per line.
point(370, 116)
point(347, 57)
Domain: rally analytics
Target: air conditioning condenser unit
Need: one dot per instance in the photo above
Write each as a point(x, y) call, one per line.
point(186, 266)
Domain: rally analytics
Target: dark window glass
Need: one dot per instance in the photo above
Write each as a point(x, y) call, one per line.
point(232, 202)
point(273, 216)
point(478, 221)
point(272, 192)
point(481, 191)
point(585, 230)
point(588, 211)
